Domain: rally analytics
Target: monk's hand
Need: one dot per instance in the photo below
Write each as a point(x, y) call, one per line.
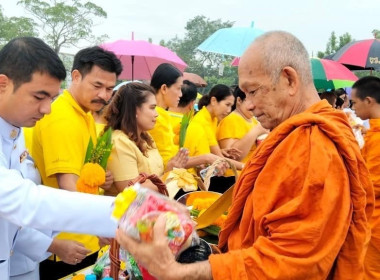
point(108, 182)
point(155, 256)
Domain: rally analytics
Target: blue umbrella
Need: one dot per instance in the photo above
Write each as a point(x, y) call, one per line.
point(230, 41)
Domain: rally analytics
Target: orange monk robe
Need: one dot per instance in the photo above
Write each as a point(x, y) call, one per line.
point(371, 154)
point(301, 204)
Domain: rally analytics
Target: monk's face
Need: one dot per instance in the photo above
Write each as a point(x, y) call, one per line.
point(360, 106)
point(268, 99)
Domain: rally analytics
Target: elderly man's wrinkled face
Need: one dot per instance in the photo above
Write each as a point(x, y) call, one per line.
point(269, 99)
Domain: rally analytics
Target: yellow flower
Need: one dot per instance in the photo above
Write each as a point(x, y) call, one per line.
point(83, 187)
point(122, 202)
point(93, 174)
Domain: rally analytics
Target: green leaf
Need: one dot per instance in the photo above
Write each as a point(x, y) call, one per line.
point(89, 151)
point(106, 140)
point(183, 128)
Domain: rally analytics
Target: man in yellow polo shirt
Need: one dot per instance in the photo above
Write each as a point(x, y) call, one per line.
point(60, 139)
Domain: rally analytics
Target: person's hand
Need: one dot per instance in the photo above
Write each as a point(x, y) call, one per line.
point(155, 256)
point(260, 130)
point(210, 158)
point(231, 153)
point(69, 251)
point(221, 168)
point(179, 160)
point(103, 241)
point(109, 180)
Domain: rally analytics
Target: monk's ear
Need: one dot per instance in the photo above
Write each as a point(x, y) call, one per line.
point(292, 81)
point(4, 82)
point(370, 101)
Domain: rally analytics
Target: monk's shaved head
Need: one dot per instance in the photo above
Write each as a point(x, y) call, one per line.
point(279, 49)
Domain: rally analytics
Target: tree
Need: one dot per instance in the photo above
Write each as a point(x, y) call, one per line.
point(333, 45)
point(65, 23)
point(204, 64)
point(14, 27)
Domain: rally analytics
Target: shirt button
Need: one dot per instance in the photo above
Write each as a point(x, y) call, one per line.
point(11, 252)
point(14, 147)
point(14, 133)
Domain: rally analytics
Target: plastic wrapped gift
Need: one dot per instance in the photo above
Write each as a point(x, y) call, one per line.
point(137, 209)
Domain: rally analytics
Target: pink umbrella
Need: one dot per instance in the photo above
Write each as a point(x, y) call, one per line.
point(141, 58)
point(235, 61)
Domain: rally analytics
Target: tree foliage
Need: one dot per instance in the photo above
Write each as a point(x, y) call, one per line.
point(14, 27)
point(334, 44)
point(65, 23)
point(204, 64)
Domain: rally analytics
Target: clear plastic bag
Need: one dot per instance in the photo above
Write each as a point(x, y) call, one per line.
point(138, 208)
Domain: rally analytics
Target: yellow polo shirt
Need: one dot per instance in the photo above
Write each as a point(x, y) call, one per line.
point(176, 120)
point(163, 135)
point(236, 127)
point(59, 145)
point(201, 133)
point(127, 161)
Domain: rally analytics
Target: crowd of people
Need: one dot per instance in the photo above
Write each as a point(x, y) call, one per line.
point(305, 204)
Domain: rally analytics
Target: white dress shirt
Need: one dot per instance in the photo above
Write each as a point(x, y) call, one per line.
point(23, 203)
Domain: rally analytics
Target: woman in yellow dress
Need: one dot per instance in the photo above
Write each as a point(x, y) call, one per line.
point(167, 82)
point(201, 133)
point(131, 114)
point(240, 129)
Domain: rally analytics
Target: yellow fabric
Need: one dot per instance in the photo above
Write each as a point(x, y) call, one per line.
point(201, 133)
point(163, 135)
point(127, 161)
point(236, 127)
point(28, 136)
point(301, 206)
point(99, 127)
point(371, 155)
point(175, 120)
point(59, 145)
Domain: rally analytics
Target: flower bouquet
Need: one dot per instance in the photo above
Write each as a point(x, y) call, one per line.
point(93, 172)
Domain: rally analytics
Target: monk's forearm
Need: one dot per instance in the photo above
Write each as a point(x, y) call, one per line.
point(193, 271)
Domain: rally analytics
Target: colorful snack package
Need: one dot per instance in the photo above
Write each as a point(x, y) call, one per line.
point(137, 209)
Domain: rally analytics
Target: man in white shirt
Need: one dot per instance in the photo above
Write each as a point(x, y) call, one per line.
point(30, 77)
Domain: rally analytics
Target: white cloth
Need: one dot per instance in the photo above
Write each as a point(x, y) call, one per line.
point(23, 203)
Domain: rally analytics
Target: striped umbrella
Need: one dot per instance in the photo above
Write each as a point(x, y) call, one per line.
point(363, 54)
point(329, 74)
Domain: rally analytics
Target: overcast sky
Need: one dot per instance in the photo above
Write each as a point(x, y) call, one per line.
point(310, 20)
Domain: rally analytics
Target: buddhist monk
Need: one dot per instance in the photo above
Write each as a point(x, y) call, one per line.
point(301, 205)
point(366, 103)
